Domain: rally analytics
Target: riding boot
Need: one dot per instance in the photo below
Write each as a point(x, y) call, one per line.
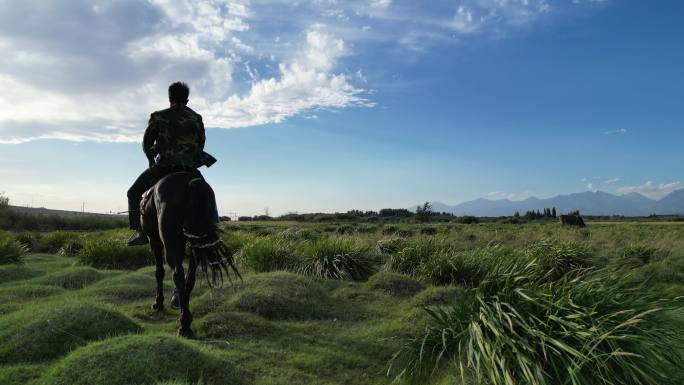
point(138, 238)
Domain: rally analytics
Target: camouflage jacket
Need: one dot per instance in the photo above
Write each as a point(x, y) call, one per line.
point(175, 137)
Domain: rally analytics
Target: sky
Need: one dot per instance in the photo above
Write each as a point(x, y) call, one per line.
point(332, 105)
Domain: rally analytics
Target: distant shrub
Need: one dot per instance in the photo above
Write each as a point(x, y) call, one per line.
point(71, 248)
point(54, 241)
point(345, 230)
point(268, 254)
point(468, 220)
point(405, 233)
point(28, 240)
point(389, 230)
point(11, 250)
point(337, 258)
point(300, 234)
point(367, 229)
point(390, 245)
point(428, 230)
point(114, 254)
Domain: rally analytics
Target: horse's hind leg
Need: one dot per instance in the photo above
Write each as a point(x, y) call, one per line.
point(158, 251)
point(174, 249)
point(191, 275)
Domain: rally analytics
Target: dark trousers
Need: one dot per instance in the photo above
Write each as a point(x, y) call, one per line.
point(147, 179)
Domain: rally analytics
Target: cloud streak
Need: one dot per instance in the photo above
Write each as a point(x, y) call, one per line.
point(651, 189)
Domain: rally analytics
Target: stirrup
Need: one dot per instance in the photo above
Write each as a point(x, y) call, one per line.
point(138, 239)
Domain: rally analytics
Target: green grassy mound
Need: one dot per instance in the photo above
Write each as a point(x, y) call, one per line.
point(141, 359)
point(19, 374)
point(282, 295)
point(71, 278)
point(126, 288)
point(27, 292)
point(398, 285)
point(233, 325)
point(45, 331)
point(439, 295)
point(9, 273)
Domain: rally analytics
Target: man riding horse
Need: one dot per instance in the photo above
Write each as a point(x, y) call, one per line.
point(173, 142)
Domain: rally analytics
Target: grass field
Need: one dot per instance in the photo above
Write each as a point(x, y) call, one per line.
point(355, 304)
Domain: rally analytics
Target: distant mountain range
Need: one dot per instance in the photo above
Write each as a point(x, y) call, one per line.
point(588, 203)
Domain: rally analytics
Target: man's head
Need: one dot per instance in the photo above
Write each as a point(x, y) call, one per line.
point(178, 93)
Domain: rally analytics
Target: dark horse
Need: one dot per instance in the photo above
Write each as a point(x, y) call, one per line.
point(572, 219)
point(178, 212)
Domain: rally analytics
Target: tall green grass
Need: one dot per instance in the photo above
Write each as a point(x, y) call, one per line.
point(265, 254)
point(113, 253)
point(518, 327)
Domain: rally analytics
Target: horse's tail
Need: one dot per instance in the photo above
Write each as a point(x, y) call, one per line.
point(209, 252)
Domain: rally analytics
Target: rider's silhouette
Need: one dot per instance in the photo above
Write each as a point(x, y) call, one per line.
point(173, 141)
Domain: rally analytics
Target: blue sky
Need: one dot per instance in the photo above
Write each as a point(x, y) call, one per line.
point(333, 105)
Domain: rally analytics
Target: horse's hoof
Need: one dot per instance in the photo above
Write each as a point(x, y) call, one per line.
point(157, 306)
point(186, 333)
point(174, 302)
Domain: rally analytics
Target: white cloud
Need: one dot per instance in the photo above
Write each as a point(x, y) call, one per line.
point(380, 3)
point(463, 20)
point(651, 190)
point(497, 15)
point(619, 131)
point(611, 181)
point(201, 42)
point(100, 71)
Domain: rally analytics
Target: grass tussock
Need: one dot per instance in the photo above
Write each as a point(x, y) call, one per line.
point(269, 254)
point(585, 328)
point(337, 258)
point(11, 250)
point(113, 253)
point(557, 258)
